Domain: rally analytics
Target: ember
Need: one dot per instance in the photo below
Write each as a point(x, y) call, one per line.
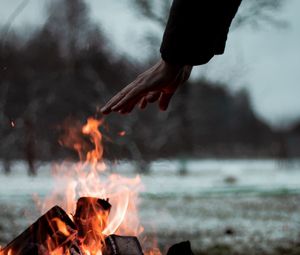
point(122, 133)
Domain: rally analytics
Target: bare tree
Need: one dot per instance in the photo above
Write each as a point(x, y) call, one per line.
point(252, 12)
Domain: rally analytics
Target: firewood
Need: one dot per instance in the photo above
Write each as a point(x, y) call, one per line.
point(122, 245)
point(91, 218)
point(43, 234)
point(73, 248)
point(183, 248)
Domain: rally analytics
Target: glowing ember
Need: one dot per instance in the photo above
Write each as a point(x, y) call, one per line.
point(154, 252)
point(122, 133)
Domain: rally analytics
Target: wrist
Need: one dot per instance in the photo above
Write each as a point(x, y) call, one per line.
point(176, 68)
point(172, 67)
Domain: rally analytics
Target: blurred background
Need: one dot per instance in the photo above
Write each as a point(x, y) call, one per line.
point(221, 166)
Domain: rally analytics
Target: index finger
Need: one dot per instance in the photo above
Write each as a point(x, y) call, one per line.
point(135, 94)
point(115, 99)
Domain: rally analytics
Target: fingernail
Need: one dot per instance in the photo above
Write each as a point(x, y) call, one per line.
point(104, 111)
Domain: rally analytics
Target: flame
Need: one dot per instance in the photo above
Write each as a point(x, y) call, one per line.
point(82, 189)
point(155, 251)
point(8, 253)
point(62, 227)
point(88, 178)
point(91, 129)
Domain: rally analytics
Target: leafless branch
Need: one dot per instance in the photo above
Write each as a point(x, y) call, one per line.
point(20, 7)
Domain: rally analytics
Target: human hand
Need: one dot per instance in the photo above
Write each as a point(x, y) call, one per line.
point(158, 83)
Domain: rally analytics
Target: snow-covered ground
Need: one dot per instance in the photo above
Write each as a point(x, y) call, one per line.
point(253, 203)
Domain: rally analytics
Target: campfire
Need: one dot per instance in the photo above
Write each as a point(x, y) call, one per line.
point(90, 212)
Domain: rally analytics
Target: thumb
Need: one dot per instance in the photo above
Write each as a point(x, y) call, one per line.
point(164, 100)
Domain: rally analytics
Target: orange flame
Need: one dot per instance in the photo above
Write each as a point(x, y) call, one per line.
point(89, 179)
point(8, 253)
point(155, 251)
point(62, 226)
point(91, 129)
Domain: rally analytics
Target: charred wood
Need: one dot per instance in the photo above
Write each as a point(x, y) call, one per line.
point(183, 248)
point(91, 218)
point(122, 245)
point(43, 235)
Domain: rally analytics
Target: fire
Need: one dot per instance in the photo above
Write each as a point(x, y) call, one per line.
point(89, 179)
point(98, 203)
point(91, 129)
point(62, 226)
point(8, 253)
point(154, 252)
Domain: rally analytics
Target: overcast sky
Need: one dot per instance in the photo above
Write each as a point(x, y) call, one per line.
point(266, 62)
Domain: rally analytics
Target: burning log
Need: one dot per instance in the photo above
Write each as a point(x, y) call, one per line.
point(73, 248)
point(90, 213)
point(52, 230)
point(122, 245)
point(91, 218)
point(55, 230)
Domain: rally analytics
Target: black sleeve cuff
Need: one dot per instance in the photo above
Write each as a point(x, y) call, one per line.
point(197, 30)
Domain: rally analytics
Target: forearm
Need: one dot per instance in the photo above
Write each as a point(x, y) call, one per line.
point(197, 30)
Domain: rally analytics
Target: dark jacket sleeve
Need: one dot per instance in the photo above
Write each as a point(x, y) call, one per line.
point(197, 30)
